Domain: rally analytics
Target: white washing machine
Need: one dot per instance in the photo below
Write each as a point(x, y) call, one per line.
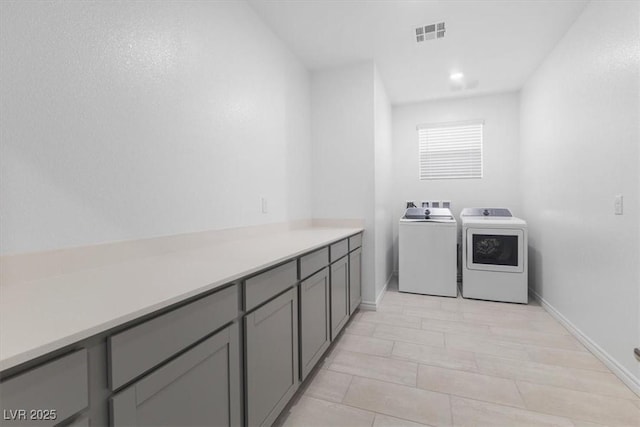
point(427, 252)
point(494, 255)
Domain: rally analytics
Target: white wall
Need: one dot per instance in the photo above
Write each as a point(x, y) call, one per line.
point(580, 138)
point(499, 185)
point(342, 123)
point(136, 119)
point(383, 185)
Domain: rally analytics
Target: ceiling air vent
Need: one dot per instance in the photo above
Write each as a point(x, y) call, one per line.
point(430, 32)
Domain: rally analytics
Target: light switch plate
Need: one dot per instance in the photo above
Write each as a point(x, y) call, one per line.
point(617, 205)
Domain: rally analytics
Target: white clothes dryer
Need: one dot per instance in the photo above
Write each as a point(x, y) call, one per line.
point(494, 255)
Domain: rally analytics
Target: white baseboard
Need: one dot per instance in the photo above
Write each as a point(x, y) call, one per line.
point(620, 371)
point(368, 306)
point(373, 306)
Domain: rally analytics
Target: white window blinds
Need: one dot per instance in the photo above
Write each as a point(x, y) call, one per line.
point(451, 150)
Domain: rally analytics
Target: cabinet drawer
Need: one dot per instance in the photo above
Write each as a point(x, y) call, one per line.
point(339, 249)
point(313, 262)
point(142, 347)
point(265, 285)
point(60, 385)
point(355, 242)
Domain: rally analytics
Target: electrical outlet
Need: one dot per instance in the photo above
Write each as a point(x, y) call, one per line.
point(617, 205)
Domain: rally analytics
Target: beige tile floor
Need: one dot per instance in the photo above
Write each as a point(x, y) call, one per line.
point(423, 360)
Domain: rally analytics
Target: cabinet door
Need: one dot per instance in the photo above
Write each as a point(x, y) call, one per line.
point(271, 334)
point(200, 387)
point(315, 332)
point(339, 295)
point(50, 393)
point(355, 279)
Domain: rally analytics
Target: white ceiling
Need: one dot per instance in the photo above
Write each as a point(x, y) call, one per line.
point(497, 44)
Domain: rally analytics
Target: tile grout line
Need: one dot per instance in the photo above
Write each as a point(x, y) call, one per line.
point(382, 413)
point(481, 400)
point(343, 404)
point(451, 409)
point(514, 380)
point(476, 371)
point(592, 393)
point(347, 390)
point(475, 362)
point(526, 409)
point(501, 340)
point(394, 324)
point(383, 381)
point(561, 416)
point(434, 365)
point(486, 331)
point(524, 402)
point(453, 394)
point(573, 375)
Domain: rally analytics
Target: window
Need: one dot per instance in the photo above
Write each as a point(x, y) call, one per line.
point(451, 150)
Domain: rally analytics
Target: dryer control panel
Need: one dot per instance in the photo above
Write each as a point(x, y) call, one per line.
point(499, 212)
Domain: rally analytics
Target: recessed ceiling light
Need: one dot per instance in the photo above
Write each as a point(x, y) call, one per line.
point(456, 76)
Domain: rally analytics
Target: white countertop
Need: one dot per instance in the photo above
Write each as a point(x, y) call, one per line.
point(40, 316)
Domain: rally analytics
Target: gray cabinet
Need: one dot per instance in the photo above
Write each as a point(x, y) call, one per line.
point(355, 242)
point(82, 421)
point(195, 364)
point(315, 332)
point(313, 262)
point(271, 356)
point(339, 295)
point(338, 250)
point(47, 394)
point(199, 387)
point(355, 279)
point(142, 347)
point(268, 284)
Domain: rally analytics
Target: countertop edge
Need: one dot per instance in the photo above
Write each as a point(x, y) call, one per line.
point(15, 360)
